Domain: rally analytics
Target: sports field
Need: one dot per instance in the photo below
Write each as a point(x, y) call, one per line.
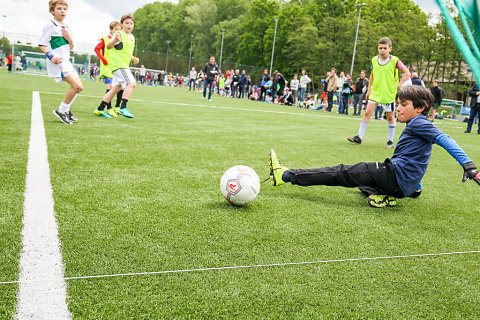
point(142, 195)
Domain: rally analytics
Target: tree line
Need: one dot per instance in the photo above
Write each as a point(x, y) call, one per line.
point(311, 34)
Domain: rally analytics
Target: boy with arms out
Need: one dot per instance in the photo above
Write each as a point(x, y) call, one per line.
point(123, 44)
point(397, 177)
point(56, 43)
point(105, 72)
point(382, 88)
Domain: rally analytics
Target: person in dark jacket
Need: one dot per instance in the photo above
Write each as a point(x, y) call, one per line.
point(242, 83)
point(474, 108)
point(263, 80)
point(235, 80)
point(278, 82)
point(438, 95)
point(210, 71)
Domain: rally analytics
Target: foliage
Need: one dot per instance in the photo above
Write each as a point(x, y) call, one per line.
point(311, 34)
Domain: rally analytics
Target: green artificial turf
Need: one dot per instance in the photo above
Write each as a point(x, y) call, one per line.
point(142, 195)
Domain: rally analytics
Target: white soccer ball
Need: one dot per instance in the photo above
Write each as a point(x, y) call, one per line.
point(240, 185)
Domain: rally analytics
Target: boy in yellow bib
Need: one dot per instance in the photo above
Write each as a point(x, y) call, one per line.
point(382, 89)
point(105, 72)
point(122, 45)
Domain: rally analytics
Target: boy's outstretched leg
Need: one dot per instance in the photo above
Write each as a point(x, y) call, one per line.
point(375, 179)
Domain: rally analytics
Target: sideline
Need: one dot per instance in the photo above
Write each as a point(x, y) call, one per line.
point(40, 256)
point(249, 266)
point(322, 115)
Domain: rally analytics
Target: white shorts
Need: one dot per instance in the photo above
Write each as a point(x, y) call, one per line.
point(387, 107)
point(122, 77)
point(61, 70)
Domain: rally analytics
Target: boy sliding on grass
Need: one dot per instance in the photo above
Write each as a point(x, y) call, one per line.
point(382, 87)
point(56, 43)
point(397, 177)
point(105, 72)
point(123, 44)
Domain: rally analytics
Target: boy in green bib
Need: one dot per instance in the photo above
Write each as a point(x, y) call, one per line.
point(382, 89)
point(122, 45)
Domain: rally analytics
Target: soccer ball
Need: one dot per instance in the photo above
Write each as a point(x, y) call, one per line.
point(240, 185)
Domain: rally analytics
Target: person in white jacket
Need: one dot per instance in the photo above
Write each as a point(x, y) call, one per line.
point(304, 81)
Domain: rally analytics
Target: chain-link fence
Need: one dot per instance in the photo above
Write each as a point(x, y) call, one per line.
point(182, 64)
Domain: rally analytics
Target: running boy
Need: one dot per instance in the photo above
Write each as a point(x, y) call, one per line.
point(123, 43)
point(397, 177)
point(382, 88)
point(105, 73)
point(56, 43)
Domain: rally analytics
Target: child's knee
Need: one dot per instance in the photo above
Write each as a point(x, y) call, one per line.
point(78, 87)
point(132, 85)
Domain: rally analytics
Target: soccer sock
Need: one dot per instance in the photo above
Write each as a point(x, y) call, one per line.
point(391, 131)
point(119, 98)
point(287, 176)
point(124, 103)
point(71, 102)
point(363, 128)
point(63, 107)
point(102, 106)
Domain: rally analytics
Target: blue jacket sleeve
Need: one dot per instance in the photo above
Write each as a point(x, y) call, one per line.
point(446, 142)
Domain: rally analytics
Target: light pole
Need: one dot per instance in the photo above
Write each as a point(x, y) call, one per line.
point(221, 49)
point(190, 61)
point(359, 5)
point(166, 61)
point(3, 38)
point(273, 47)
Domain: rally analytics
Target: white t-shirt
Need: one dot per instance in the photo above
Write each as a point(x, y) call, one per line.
point(294, 84)
point(53, 39)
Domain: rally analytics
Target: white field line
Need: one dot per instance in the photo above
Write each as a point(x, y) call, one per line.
point(40, 256)
point(42, 280)
point(323, 115)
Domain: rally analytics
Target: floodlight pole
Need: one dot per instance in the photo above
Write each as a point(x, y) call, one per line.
point(359, 5)
point(221, 49)
point(166, 61)
point(3, 39)
point(273, 47)
point(190, 61)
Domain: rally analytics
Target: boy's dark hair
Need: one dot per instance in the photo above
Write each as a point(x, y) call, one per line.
point(386, 41)
point(420, 97)
point(127, 16)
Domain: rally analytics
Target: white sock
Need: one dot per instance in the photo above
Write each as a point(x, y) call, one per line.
point(71, 102)
point(63, 107)
point(391, 131)
point(363, 128)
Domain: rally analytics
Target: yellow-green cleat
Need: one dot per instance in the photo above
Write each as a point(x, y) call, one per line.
point(276, 169)
point(380, 201)
point(101, 113)
point(111, 112)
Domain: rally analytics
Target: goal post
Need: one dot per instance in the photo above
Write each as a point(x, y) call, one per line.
point(33, 61)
